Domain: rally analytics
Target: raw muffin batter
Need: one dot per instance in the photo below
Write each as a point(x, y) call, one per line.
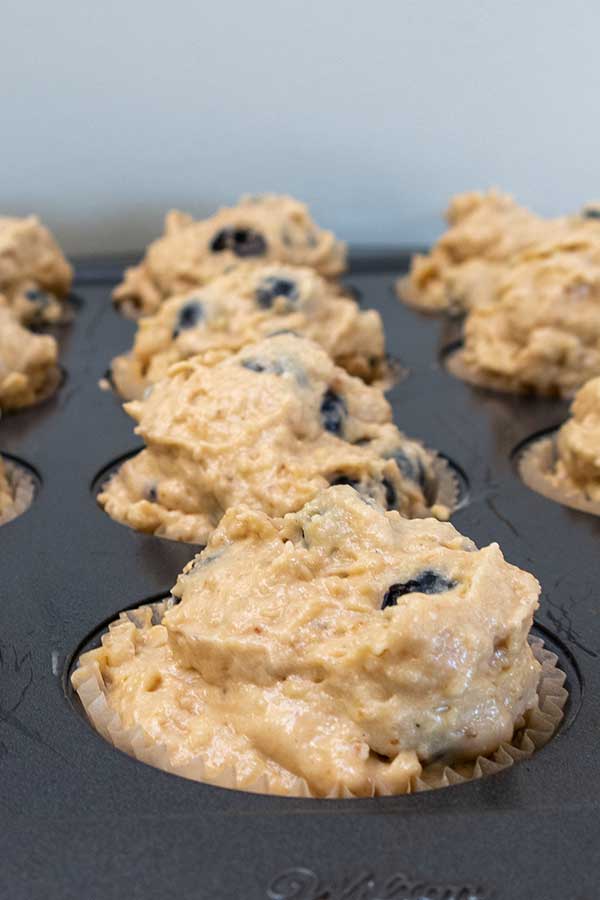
point(578, 442)
point(542, 334)
point(574, 455)
point(190, 253)
point(28, 370)
point(270, 427)
point(342, 648)
point(34, 274)
point(461, 271)
point(240, 308)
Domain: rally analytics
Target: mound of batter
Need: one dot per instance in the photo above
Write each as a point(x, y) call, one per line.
point(578, 445)
point(342, 645)
point(542, 333)
point(34, 274)
point(264, 228)
point(28, 369)
point(270, 427)
point(461, 271)
point(240, 308)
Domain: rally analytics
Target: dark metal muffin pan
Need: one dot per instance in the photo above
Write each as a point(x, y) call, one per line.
point(82, 820)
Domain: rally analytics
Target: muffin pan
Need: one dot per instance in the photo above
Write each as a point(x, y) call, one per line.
point(82, 819)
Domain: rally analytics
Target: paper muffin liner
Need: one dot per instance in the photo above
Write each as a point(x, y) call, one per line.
point(532, 732)
point(53, 380)
point(536, 468)
point(22, 486)
point(449, 488)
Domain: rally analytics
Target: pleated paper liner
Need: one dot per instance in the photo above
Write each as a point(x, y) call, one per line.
point(52, 382)
point(537, 468)
point(451, 490)
point(532, 732)
point(22, 487)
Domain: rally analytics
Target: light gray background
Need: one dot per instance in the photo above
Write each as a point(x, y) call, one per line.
point(373, 112)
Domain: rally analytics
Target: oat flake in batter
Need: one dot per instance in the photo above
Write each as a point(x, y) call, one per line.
point(342, 647)
point(270, 427)
point(265, 228)
point(240, 308)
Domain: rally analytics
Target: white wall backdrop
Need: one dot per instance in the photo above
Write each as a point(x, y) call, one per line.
point(374, 112)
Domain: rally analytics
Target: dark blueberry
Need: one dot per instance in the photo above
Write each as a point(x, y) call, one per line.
point(333, 412)
point(189, 316)
point(344, 479)
point(255, 365)
point(40, 298)
point(427, 582)
point(202, 560)
point(406, 465)
point(157, 616)
point(241, 241)
point(283, 331)
point(391, 497)
point(271, 288)
point(350, 290)
point(414, 470)
point(592, 212)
